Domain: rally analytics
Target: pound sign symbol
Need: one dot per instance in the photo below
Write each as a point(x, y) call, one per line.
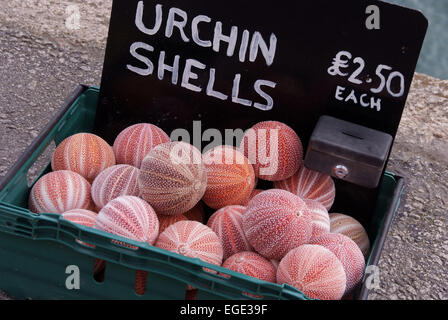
point(340, 63)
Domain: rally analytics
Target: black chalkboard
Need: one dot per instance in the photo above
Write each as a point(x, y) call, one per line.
point(295, 48)
point(309, 36)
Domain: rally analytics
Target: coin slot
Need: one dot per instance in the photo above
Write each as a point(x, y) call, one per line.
point(352, 135)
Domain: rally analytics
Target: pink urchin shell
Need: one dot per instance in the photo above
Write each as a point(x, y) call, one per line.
point(85, 218)
point(252, 195)
point(166, 221)
point(173, 178)
point(274, 263)
point(197, 213)
point(251, 264)
point(227, 223)
point(348, 253)
point(230, 177)
point(60, 191)
point(275, 155)
point(352, 228)
point(80, 216)
point(319, 218)
point(133, 143)
point(129, 217)
point(275, 222)
point(314, 270)
point(115, 181)
point(192, 239)
point(83, 153)
point(309, 184)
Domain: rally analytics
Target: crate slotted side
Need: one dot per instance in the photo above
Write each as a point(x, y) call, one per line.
point(35, 250)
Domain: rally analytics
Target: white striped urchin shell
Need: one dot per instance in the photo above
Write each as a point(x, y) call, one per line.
point(192, 239)
point(166, 221)
point(227, 223)
point(83, 218)
point(197, 213)
point(350, 227)
point(274, 149)
point(319, 218)
point(129, 217)
point(83, 153)
point(133, 143)
point(309, 184)
point(275, 222)
point(80, 216)
point(252, 195)
point(60, 191)
point(230, 177)
point(115, 181)
point(173, 178)
point(314, 270)
point(348, 253)
point(251, 264)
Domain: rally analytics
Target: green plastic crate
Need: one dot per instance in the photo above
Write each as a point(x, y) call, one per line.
point(35, 250)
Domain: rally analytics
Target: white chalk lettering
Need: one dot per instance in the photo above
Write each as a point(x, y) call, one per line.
point(339, 91)
point(231, 40)
point(190, 75)
point(244, 45)
point(259, 43)
point(211, 82)
point(362, 101)
point(269, 101)
point(139, 19)
point(174, 68)
point(180, 24)
point(251, 47)
point(352, 97)
point(178, 18)
point(150, 67)
point(375, 103)
point(195, 31)
point(236, 92)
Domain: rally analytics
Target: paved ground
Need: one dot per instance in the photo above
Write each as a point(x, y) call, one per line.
point(42, 61)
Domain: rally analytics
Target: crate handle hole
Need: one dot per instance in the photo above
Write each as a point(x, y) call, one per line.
point(217, 274)
point(252, 296)
point(191, 294)
point(124, 245)
point(99, 270)
point(141, 278)
point(84, 244)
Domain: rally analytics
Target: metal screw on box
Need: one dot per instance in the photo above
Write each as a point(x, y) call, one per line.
point(340, 171)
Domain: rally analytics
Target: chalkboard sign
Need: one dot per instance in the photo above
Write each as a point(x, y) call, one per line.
point(230, 64)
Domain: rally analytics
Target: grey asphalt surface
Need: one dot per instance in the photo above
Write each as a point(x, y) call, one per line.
point(41, 62)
